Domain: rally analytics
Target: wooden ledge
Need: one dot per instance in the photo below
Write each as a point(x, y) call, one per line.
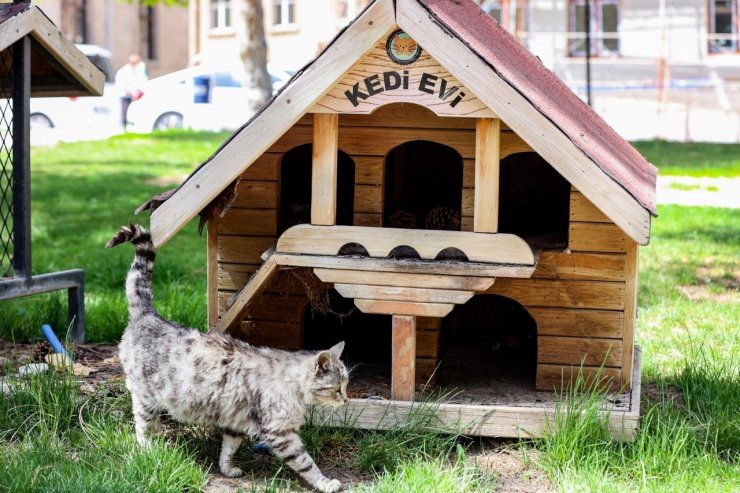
point(379, 242)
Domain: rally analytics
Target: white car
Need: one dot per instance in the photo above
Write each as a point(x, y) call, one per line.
point(200, 98)
point(80, 114)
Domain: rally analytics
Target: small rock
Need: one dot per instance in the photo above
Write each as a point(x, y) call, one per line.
point(33, 369)
point(5, 388)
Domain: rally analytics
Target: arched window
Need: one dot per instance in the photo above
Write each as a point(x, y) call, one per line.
point(421, 176)
point(534, 201)
point(295, 188)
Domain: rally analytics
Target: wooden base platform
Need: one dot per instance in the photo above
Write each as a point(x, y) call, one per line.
point(478, 420)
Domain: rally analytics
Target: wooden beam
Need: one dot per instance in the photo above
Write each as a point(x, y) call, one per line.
point(290, 104)
point(404, 308)
point(630, 311)
point(433, 281)
point(525, 119)
point(403, 366)
point(471, 269)
point(212, 272)
point(324, 169)
point(256, 285)
point(393, 293)
point(479, 420)
point(487, 173)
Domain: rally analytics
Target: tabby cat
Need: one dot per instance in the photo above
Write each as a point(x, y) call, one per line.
point(214, 379)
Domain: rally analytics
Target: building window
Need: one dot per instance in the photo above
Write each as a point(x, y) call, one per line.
point(220, 14)
point(604, 27)
point(283, 12)
point(510, 14)
point(146, 33)
point(348, 9)
point(723, 26)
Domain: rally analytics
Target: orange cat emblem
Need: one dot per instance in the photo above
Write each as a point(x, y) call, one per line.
point(401, 48)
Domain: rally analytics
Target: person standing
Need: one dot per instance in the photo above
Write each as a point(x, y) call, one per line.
point(129, 80)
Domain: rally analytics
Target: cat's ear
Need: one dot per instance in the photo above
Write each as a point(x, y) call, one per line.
point(322, 361)
point(337, 349)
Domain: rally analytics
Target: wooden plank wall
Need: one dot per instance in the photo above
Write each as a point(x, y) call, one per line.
point(250, 226)
point(578, 298)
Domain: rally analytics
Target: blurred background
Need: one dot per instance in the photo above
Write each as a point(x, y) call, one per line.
point(654, 69)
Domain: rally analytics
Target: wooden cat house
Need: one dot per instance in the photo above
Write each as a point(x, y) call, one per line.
point(454, 209)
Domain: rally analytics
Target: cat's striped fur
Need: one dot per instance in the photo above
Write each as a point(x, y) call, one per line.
point(217, 380)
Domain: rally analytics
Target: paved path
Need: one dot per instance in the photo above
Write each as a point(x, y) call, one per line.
point(687, 190)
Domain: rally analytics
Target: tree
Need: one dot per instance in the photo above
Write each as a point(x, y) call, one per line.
point(253, 51)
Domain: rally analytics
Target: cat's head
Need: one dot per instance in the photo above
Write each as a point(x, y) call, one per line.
point(328, 382)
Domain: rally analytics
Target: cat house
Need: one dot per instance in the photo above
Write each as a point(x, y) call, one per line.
point(428, 191)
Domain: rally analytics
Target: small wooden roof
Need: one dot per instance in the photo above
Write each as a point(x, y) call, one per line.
point(493, 66)
point(58, 68)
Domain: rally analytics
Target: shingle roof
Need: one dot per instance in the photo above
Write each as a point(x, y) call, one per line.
point(525, 72)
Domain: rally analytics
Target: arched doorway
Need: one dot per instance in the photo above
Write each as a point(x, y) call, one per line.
point(367, 337)
point(421, 176)
point(295, 188)
point(534, 201)
point(489, 339)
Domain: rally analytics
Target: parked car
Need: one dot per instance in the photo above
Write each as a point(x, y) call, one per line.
point(200, 97)
point(80, 113)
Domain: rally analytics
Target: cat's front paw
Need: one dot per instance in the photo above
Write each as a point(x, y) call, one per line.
point(231, 472)
point(331, 486)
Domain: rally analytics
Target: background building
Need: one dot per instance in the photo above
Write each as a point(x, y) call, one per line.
point(159, 34)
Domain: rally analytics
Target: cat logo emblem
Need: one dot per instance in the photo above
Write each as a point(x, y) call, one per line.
point(401, 48)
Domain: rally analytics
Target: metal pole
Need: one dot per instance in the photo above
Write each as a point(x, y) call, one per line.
point(588, 52)
point(21, 158)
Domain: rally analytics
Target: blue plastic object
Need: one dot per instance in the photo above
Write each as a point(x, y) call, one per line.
point(52, 338)
point(261, 448)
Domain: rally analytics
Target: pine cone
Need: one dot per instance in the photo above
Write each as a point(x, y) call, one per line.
point(403, 219)
point(447, 218)
point(41, 349)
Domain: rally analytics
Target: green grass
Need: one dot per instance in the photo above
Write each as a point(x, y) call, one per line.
point(54, 437)
point(82, 193)
point(692, 158)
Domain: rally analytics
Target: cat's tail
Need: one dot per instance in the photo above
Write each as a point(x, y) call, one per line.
point(139, 278)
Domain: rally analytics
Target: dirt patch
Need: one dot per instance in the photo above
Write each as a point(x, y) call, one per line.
point(728, 278)
point(706, 293)
point(515, 471)
point(102, 358)
point(651, 392)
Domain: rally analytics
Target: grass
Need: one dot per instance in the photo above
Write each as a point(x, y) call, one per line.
point(58, 436)
point(82, 193)
point(692, 158)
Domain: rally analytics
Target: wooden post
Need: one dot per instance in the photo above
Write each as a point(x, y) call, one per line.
point(403, 368)
point(487, 151)
point(630, 312)
point(212, 271)
point(324, 174)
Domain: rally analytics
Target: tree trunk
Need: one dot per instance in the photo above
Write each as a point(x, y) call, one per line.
point(253, 51)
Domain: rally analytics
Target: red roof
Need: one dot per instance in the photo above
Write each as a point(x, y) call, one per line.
point(10, 10)
point(526, 73)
